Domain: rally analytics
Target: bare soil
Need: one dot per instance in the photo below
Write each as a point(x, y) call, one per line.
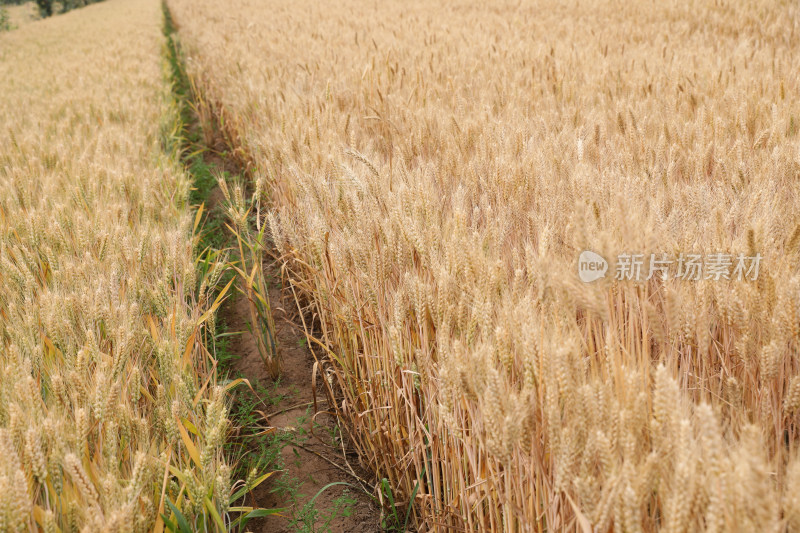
point(315, 462)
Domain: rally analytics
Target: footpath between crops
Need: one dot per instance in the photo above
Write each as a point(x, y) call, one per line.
point(282, 424)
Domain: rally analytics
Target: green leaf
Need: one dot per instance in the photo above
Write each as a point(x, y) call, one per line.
point(410, 505)
point(326, 487)
point(259, 513)
point(168, 524)
point(214, 514)
point(241, 522)
point(182, 523)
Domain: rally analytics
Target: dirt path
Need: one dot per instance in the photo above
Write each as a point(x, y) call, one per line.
point(306, 447)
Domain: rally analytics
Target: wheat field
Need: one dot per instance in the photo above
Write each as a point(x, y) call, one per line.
point(434, 170)
point(430, 174)
point(109, 405)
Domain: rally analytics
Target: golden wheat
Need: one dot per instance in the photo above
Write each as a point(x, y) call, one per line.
point(108, 402)
point(436, 168)
point(434, 171)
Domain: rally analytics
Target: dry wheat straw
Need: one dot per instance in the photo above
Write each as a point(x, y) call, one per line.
point(434, 170)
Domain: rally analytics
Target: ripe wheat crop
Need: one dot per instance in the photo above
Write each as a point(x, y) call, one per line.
point(435, 168)
point(109, 408)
